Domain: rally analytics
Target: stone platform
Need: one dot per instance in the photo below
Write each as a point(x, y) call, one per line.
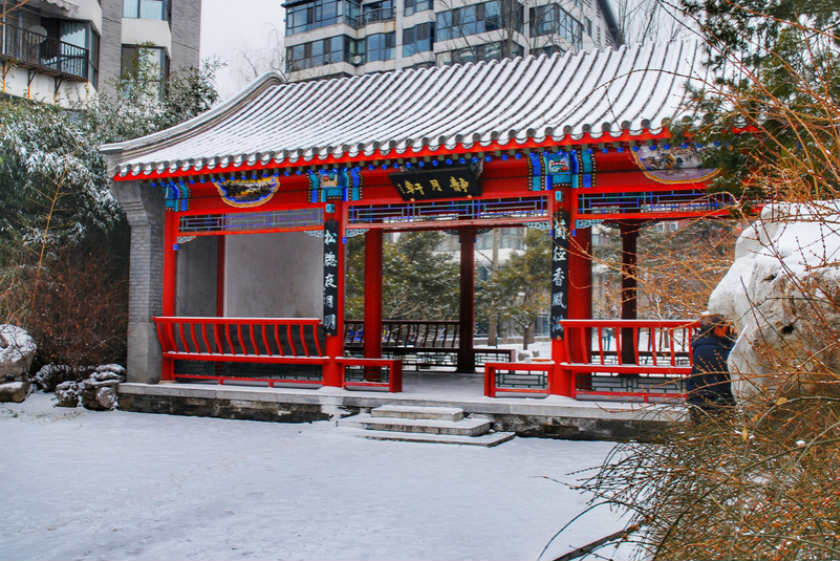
point(551, 416)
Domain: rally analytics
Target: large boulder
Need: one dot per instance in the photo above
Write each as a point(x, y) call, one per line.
point(17, 350)
point(783, 294)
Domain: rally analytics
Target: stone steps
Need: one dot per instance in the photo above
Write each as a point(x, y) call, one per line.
point(417, 412)
point(444, 425)
point(487, 440)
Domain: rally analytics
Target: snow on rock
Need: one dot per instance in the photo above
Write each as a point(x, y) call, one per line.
point(99, 391)
point(67, 394)
point(13, 391)
point(51, 375)
point(17, 349)
point(778, 292)
point(96, 386)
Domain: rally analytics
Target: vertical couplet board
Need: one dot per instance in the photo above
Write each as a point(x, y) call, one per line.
point(559, 273)
point(331, 249)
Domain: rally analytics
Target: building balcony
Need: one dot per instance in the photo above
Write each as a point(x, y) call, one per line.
point(46, 55)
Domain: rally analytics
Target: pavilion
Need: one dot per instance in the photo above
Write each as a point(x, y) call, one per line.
point(239, 216)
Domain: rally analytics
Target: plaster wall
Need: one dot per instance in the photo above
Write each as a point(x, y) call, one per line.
point(273, 275)
point(42, 88)
point(196, 277)
point(143, 31)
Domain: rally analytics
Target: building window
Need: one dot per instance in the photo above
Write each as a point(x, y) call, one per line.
point(551, 19)
point(146, 9)
point(418, 39)
point(320, 13)
point(478, 18)
point(478, 53)
point(71, 47)
point(380, 46)
point(146, 68)
point(378, 11)
point(548, 50)
point(317, 53)
point(413, 6)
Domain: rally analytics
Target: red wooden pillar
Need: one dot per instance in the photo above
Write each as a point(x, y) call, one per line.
point(466, 355)
point(335, 343)
point(170, 261)
point(373, 294)
point(580, 274)
point(373, 301)
point(580, 300)
point(629, 247)
point(220, 275)
point(170, 239)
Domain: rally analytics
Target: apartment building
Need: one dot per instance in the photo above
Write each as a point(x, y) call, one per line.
point(64, 51)
point(330, 38)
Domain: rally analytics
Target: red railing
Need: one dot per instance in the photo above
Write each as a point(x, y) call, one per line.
point(629, 349)
point(517, 377)
point(372, 375)
point(244, 340)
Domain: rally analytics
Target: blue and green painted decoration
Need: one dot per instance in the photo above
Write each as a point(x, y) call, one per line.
point(344, 184)
point(552, 170)
point(176, 194)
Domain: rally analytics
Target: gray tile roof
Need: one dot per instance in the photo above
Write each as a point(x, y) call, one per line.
point(595, 96)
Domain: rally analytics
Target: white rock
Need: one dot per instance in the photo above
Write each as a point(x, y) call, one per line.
point(784, 259)
point(17, 349)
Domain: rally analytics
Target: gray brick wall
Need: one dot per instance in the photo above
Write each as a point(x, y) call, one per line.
point(110, 45)
point(186, 33)
point(144, 209)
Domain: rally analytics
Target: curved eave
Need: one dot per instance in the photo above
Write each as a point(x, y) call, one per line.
point(139, 146)
point(258, 162)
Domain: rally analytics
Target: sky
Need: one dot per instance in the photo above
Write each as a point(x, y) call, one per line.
point(231, 29)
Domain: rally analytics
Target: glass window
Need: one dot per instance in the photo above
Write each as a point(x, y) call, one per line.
point(145, 66)
point(378, 11)
point(418, 39)
point(152, 9)
point(492, 16)
point(131, 9)
point(320, 13)
point(413, 6)
point(380, 46)
point(146, 9)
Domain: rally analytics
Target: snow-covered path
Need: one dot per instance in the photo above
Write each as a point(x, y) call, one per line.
point(83, 485)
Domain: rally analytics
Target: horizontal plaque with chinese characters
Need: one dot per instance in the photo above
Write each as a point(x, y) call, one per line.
point(449, 183)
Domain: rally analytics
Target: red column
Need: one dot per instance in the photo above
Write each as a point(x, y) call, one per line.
point(373, 294)
point(170, 238)
point(580, 285)
point(220, 276)
point(335, 343)
point(466, 356)
point(629, 242)
point(170, 261)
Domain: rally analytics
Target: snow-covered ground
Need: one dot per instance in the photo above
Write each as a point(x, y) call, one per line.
point(83, 485)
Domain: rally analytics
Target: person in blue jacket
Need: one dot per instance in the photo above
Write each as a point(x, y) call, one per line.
point(709, 387)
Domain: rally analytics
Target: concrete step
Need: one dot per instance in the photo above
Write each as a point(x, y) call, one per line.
point(463, 427)
point(487, 440)
point(418, 412)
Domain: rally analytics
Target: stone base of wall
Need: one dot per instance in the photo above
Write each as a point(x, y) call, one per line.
point(223, 408)
point(579, 428)
point(540, 418)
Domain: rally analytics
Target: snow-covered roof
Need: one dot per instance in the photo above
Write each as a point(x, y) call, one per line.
point(593, 96)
